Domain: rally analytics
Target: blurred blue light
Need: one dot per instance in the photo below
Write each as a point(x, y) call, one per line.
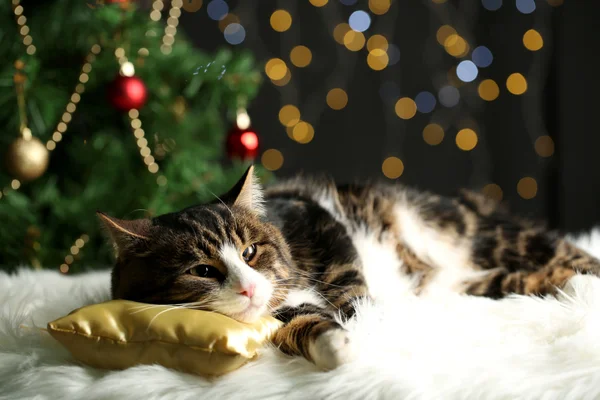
point(425, 102)
point(449, 96)
point(491, 5)
point(348, 2)
point(467, 71)
point(359, 21)
point(393, 54)
point(234, 33)
point(526, 6)
point(217, 9)
point(482, 57)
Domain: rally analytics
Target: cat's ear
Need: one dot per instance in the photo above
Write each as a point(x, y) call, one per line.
point(125, 234)
point(248, 193)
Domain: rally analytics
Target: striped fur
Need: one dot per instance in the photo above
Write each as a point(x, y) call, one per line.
point(311, 264)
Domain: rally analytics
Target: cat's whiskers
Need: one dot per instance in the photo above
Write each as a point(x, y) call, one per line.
point(157, 315)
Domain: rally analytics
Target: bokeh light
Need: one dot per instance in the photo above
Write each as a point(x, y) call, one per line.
point(359, 21)
point(433, 134)
point(393, 54)
point(544, 146)
point(289, 115)
point(456, 46)
point(392, 167)
point(527, 188)
point(281, 20)
point(516, 84)
point(488, 90)
point(425, 102)
point(272, 159)
point(217, 9)
point(285, 80)
point(377, 59)
point(526, 6)
point(467, 71)
point(191, 6)
point(482, 57)
point(249, 139)
point(301, 56)
point(405, 108)
point(340, 31)
point(276, 69)
point(303, 132)
point(532, 40)
point(377, 42)
point(379, 7)
point(493, 191)
point(444, 33)
point(354, 41)
point(466, 139)
point(449, 96)
point(234, 33)
point(318, 3)
point(491, 5)
point(229, 19)
point(337, 98)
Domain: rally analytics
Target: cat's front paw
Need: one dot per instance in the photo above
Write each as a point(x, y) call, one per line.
point(332, 349)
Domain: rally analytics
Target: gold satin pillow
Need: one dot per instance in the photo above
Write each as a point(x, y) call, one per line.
point(119, 334)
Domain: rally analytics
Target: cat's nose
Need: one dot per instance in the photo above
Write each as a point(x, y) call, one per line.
point(248, 290)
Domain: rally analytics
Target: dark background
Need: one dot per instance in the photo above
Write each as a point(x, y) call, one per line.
point(562, 99)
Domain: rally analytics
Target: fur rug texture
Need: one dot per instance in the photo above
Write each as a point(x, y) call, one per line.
point(436, 347)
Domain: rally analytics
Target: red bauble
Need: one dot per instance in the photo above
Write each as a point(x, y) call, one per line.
point(127, 92)
point(242, 143)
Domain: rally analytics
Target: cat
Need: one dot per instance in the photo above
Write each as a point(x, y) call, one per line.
point(303, 251)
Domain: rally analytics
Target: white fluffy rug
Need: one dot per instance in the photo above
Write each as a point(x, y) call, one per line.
point(445, 347)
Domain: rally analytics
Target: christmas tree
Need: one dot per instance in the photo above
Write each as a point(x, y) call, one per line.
point(105, 106)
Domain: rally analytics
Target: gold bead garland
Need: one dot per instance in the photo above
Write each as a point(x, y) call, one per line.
point(73, 251)
point(67, 116)
point(171, 28)
point(23, 28)
point(142, 142)
point(157, 7)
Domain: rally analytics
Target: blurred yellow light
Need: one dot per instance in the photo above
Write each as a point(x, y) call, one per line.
point(493, 191)
point(456, 46)
point(281, 20)
point(289, 115)
point(301, 56)
point(488, 90)
point(544, 146)
point(318, 3)
point(303, 132)
point(532, 40)
point(272, 159)
point(527, 188)
point(406, 108)
point(276, 69)
point(378, 59)
point(379, 7)
point(229, 19)
point(377, 42)
point(466, 139)
point(284, 81)
point(354, 41)
point(444, 33)
point(516, 84)
point(433, 134)
point(340, 31)
point(392, 167)
point(337, 98)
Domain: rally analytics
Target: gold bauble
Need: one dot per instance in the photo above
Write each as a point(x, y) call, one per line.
point(26, 159)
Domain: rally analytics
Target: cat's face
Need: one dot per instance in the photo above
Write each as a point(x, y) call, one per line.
point(219, 257)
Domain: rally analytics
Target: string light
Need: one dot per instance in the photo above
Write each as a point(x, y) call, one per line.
point(516, 84)
point(339, 32)
point(318, 3)
point(192, 5)
point(466, 139)
point(405, 108)
point(378, 59)
point(73, 252)
point(142, 142)
point(281, 20)
point(456, 46)
point(23, 27)
point(433, 134)
point(392, 167)
point(488, 90)
point(301, 56)
point(377, 42)
point(544, 146)
point(337, 98)
point(67, 116)
point(303, 132)
point(272, 159)
point(527, 188)
point(276, 69)
point(379, 7)
point(532, 40)
point(353, 40)
point(171, 28)
point(289, 115)
point(157, 7)
point(493, 191)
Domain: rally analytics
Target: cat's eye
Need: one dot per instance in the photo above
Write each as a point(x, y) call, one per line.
point(249, 253)
point(204, 271)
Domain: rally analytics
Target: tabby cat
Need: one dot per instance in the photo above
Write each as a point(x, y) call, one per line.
point(305, 250)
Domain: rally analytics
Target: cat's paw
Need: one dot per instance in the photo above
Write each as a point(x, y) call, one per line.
point(332, 349)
